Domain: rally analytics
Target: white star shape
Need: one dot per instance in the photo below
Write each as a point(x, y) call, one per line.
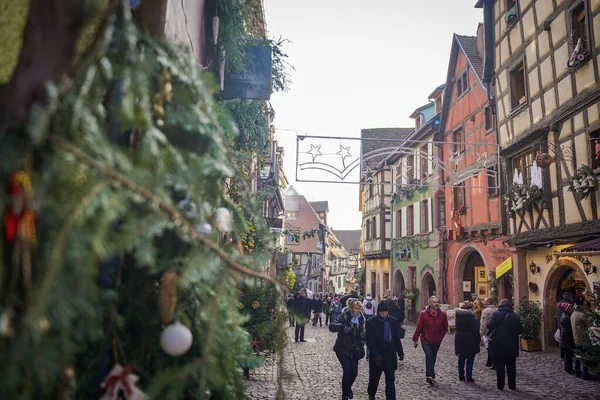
point(315, 151)
point(344, 152)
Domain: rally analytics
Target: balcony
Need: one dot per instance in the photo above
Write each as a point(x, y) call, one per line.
point(373, 249)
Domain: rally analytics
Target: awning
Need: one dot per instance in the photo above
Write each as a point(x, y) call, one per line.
point(588, 247)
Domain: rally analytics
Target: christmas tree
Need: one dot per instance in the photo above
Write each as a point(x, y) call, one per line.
point(124, 218)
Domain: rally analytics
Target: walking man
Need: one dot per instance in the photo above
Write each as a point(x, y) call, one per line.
point(431, 328)
point(383, 341)
point(302, 311)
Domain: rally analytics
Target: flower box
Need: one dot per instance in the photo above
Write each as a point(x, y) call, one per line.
point(531, 344)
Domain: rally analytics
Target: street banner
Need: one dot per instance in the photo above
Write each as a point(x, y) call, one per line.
point(504, 267)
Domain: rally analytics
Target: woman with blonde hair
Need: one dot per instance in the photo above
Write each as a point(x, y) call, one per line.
point(350, 344)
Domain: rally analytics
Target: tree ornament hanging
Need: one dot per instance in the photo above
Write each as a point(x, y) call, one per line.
point(121, 381)
point(167, 297)
point(176, 339)
point(255, 304)
point(203, 228)
point(222, 70)
point(67, 386)
point(215, 27)
point(165, 94)
point(544, 160)
point(223, 220)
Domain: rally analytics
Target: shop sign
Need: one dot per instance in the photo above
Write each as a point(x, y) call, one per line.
point(253, 81)
point(504, 267)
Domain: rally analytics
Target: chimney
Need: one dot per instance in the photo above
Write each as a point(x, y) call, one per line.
point(480, 40)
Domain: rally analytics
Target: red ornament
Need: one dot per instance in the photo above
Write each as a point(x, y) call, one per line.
point(544, 160)
point(255, 343)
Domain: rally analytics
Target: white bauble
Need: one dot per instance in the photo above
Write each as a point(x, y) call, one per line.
point(223, 220)
point(203, 228)
point(176, 339)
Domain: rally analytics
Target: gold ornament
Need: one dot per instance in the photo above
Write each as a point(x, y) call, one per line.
point(164, 94)
point(255, 304)
point(167, 297)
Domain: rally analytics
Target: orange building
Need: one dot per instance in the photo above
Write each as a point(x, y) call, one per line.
point(468, 143)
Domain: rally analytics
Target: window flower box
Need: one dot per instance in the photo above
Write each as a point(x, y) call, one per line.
point(584, 182)
point(521, 197)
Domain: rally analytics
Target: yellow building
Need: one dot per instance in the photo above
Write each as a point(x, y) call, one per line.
point(545, 67)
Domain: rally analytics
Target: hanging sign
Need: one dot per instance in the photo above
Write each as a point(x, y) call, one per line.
point(504, 267)
point(253, 81)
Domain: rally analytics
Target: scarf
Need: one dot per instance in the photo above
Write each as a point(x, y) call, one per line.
point(387, 331)
point(355, 320)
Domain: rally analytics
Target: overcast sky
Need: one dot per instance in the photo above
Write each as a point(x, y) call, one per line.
point(359, 64)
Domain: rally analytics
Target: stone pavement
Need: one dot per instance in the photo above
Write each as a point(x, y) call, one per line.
point(312, 371)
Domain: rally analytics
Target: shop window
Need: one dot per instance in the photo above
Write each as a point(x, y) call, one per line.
point(595, 149)
point(492, 181)
point(458, 137)
point(580, 41)
point(518, 94)
point(425, 216)
point(511, 14)
point(410, 220)
point(459, 195)
point(489, 119)
point(399, 223)
point(522, 164)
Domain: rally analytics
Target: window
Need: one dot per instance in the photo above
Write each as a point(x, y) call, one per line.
point(370, 190)
point(292, 237)
point(418, 122)
point(291, 214)
point(441, 211)
point(522, 164)
point(410, 169)
point(459, 195)
point(595, 149)
point(489, 119)
point(518, 95)
point(458, 137)
point(511, 14)
point(399, 223)
point(462, 84)
point(368, 231)
point(492, 181)
point(386, 282)
point(425, 216)
point(374, 228)
point(410, 220)
point(580, 43)
point(424, 163)
point(438, 104)
point(399, 175)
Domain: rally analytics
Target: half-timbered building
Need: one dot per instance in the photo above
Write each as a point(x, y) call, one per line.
point(546, 68)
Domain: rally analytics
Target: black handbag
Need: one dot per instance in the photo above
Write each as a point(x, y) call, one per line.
point(401, 332)
point(359, 352)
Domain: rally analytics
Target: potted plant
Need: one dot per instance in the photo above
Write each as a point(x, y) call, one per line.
point(530, 313)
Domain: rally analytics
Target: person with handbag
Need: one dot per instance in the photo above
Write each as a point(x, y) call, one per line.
point(349, 346)
point(431, 328)
point(466, 340)
point(488, 310)
point(504, 329)
point(383, 341)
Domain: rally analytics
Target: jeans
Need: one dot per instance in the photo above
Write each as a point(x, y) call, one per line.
point(390, 384)
point(317, 316)
point(580, 368)
point(461, 365)
point(350, 372)
point(299, 333)
point(431, 351)
point(328, 318)
point(511, 370)
point(568, 359)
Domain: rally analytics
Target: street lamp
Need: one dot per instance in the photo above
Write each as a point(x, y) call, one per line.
point(534, 268)
point(588, 267)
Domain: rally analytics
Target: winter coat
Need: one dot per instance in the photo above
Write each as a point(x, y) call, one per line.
point(301, 306)
point(486, 315)
point(327, 306)
point(508, 327)
point(580, 327)
point(466, 339)
point(431, 329)
point(351, 338)
point(317, 305)
point(379, 348)
point(567, 341)
point(396, 311)
point(289, 303)
point(344, 300)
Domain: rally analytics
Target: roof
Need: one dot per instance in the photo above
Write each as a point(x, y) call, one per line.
point(319, 206)
point(590, 245)
point(428, 111)
point(436, 90)
point(349, 239)
point(380, 138)
point(469, 46)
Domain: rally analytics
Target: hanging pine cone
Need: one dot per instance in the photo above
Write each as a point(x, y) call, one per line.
point(167, 297)
point(215, 27)
point(222, 70)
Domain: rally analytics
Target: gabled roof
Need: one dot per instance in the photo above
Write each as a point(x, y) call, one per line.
point(420, 110)
point(415, 136)
point(376, 139)
point(468, 46)
point(436, 90)
point(349, 239)
point(319, 206)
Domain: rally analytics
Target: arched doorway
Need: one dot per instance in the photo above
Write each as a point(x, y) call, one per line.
point(398, 285)
point(563, 277)
point(428, 289)
point(469, 281)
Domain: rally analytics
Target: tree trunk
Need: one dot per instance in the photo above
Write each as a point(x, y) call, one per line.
point(49, 41)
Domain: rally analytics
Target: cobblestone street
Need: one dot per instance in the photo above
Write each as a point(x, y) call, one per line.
point(311, 371)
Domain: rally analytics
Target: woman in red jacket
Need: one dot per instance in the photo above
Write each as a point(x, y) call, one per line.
point(431, 328)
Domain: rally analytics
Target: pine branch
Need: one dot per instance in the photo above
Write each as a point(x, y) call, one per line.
point(162, 205)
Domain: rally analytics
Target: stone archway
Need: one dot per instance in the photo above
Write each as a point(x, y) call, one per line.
point(551, 295)
point(398, 284)
point(467, 258)
point(428, 288)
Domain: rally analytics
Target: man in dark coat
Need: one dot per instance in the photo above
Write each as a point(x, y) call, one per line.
point(466, 340)
point(301, 308)
point(289, 304)
point(383, 340)
point(351, 295)
point(566, 298)
point(567, 341)
point(505, 327)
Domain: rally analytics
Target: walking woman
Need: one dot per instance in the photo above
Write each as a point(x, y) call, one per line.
point(466, 340)
point(504, 328)
point(431, 328)
point(350, 344)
